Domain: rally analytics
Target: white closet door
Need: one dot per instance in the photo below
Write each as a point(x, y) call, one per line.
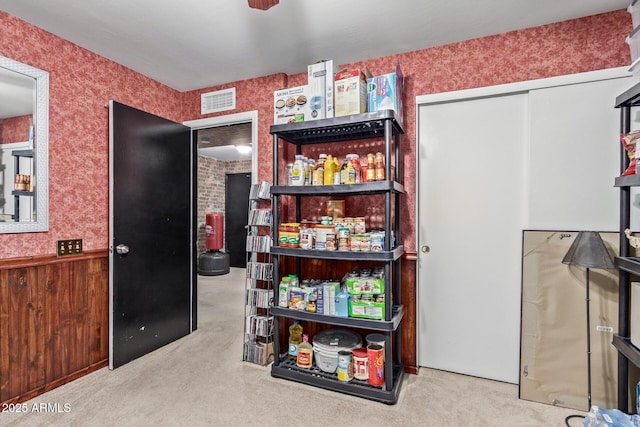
point(574, 157)
point(470, 215)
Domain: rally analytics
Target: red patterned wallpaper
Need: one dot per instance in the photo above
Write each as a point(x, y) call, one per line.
point(15, 129)
point(82, 83)
point(587, 44)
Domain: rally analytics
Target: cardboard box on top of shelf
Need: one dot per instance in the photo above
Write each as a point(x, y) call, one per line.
point(385, 92)
point(350, 93)
point(291, 105)
point(320, 80)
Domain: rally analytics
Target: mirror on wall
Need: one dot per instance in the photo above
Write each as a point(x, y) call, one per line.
point(24, 152)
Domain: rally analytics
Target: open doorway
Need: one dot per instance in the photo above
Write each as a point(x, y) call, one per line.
point(226, 145)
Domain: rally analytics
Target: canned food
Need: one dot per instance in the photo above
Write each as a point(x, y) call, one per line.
point(321, 233)
point(331, 241)
point(342, 232)
point(306, 238)
point(375, 355)
point(345, 366)
point(360, 364)
point(365, 242)
point(283, 235)
point(294, 235)
point(343, 244)
point(354, 243)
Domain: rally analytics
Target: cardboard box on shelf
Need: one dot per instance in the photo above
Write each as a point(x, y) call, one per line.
point(350, 94)
point(320, 81)
point(385, 92)
point(291, 105)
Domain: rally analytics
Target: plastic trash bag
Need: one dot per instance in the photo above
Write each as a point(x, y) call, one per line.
point(598, 417)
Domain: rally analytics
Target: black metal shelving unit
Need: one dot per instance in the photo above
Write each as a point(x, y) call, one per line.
point(381, 125)
point(626, 264)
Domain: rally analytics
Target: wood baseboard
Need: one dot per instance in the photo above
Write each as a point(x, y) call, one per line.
point(57, 383)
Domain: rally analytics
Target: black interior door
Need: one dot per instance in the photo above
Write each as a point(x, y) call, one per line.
point(236, 216)
point(152, 261)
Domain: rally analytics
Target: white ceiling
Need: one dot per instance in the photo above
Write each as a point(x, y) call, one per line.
point(193, 44)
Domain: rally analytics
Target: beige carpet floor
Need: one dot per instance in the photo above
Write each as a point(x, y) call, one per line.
point(200, 380)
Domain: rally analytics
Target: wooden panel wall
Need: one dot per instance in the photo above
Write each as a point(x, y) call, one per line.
point(53, 322)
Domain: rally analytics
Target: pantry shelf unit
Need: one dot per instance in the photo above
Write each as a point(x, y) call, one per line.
point(626, 264)
point(372, 324)
point(258, 328)
point(287, 369)
point(377, 187)
point(346, 128)
point(381, 125)
point(392, 255)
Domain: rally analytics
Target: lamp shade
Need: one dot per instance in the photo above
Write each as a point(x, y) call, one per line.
point(588, 250)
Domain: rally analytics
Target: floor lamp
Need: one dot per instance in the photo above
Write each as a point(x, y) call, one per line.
point(588, 250)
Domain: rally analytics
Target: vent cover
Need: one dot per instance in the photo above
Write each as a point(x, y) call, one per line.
point(220, 100)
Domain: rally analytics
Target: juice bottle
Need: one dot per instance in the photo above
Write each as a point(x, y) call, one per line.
point(318, 175)
point(336, 171)
point(350, 171)
point(363, 170)
point(328, 170)
point(343, 171)
point(305, 353)
point(295, 338)
point(355, 161)
point(307, 171)
point(371, 168)
point(379, 164)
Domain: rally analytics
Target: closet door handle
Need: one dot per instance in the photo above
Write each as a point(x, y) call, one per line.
point(425, 249)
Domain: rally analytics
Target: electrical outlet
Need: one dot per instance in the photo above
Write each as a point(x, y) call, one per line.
point(69, 247)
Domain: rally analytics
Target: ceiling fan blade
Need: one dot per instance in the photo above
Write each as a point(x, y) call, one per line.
point(262, 4)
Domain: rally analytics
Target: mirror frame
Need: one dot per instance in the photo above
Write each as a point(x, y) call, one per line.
point(41, 148)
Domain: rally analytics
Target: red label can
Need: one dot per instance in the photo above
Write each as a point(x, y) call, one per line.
point(375, 354)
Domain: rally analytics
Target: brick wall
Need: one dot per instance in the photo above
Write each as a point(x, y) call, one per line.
point(211, 189)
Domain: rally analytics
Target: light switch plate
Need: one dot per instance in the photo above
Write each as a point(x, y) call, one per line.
point(69, 247)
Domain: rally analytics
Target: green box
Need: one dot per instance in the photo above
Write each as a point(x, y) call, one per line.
point(364, 285)
point(366, 309)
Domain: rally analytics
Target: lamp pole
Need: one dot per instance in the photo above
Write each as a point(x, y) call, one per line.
point(588, 346)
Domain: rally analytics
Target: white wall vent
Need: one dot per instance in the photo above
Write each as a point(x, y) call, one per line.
point(221, 100)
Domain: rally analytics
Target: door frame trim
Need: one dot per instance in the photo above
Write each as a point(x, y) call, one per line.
point(232, 119)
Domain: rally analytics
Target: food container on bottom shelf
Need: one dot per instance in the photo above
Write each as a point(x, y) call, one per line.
point(375, 339)
point(327, 344)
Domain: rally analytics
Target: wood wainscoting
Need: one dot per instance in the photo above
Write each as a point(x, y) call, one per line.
point(408, 298)
point(54, 322)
